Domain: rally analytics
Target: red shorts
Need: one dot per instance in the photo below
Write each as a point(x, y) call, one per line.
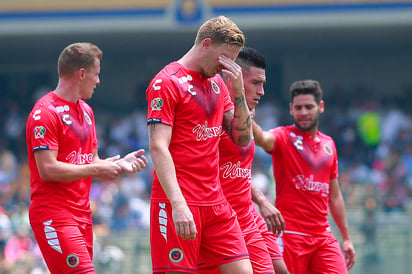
point(270, 238)
point(313, 254)
point(258, 252)
point(66, 248)
point(219, 239)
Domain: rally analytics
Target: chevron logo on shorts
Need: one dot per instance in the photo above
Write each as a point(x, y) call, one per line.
point(51, 236)
point(163, 220)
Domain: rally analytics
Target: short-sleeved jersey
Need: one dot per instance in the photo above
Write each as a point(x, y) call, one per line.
point(194, 106)
point(235, 174)
point(69, 128)
point(303, 167)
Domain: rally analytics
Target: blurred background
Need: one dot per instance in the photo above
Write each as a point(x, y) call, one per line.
point(359, 50)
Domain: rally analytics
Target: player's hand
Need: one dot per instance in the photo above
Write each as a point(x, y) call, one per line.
point(184, 222)
point(133, 162)
point(233, 77)
point(273, 218)
point(107, 169)
point(349, 251)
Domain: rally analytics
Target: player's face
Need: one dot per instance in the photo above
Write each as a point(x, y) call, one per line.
point(253, 80)
point(305, 112)
point(90, 80)
point(212, 65)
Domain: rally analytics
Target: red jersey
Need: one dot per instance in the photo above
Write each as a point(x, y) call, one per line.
point(193, 105)
point(69, 128)
point(303, 167)
point(235, 174)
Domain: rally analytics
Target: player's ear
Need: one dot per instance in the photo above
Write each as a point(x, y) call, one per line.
point(321, 106)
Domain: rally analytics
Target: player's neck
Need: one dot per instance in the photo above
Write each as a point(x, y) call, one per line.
point(67, 91)
point(191, 60)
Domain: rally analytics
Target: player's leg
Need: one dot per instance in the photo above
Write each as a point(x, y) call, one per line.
point(297, 252)
point(272, 245)
point(223, 244)
point(65, 248)
point(170, 253)
point(240, 267)
point(329, 258)
point(258, 252)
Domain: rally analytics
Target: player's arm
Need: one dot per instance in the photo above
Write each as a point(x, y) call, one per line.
point(337, 209)
point(51, 169)
point(237, 122)
point(269, 212)
point(264, 139)
point(159, 141)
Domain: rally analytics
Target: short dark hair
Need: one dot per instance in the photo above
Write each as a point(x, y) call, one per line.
point(250, 57)
point(306, 87)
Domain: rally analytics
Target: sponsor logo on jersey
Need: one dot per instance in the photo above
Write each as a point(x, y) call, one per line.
point(215, 87)
point(157, 104)
point(163, 220)
point(39, 132)
point(87, 118)
point(233, 170)
point(327, 149)
point(72, 260)
point(176, 255)
point(203, 132)
point(307, 184)
point(79, 158)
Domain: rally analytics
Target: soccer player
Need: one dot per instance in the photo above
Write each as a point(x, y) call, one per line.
point(63, 158)
point(189, 106)
point(235, 177)
point(305, 168)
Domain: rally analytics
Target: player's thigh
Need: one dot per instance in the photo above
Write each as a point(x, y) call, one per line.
point(65, 248)
point(258, 253)
point(222, 238)
point(239, 267)
point(169, 252)
point(297, 252)
point(328, 259)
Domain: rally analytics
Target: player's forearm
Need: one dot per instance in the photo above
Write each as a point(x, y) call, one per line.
point(337, 208)
point(241, 124)
point(66, 172)
point(257, 196)
point(166, 172)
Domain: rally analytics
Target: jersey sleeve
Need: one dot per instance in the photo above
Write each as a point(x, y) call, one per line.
point(335, 167)
point(277, 134)
point(162, 98)
point(43, 129)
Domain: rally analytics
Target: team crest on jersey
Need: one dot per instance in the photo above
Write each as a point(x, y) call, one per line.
point(215, 87)
point(39, 132)
point(328, 149)
point(72, 260)
point(87, 117)
point(176, 255)
point(157, 103)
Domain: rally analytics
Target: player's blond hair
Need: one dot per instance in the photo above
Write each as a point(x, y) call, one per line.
point(76, 56)
point(221, 30)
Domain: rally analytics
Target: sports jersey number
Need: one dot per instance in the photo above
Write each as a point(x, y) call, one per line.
point(66, 119)
point(189, 89)
point(36, 115)
point(298, 144)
